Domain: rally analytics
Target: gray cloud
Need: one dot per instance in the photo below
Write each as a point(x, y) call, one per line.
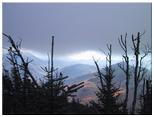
point(77, 27)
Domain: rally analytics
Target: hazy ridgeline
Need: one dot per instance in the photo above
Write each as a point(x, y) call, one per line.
point(22, 94)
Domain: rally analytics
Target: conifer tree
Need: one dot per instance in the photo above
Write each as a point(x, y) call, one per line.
point(146, 98)
point(107, 94)
point(23, 95)
point(59, 92)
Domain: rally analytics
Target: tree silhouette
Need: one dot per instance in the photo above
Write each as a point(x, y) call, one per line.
point(7, 92)
point(146, 98)
point(107, 94)
point(15, 49)
point(59, 92)
point(23, 95)
point(125, 68)
point(139, 71)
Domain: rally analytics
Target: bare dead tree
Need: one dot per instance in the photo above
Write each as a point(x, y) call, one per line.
point(125, 68)
point(51, 80)
point(52, 68)
point(20, 69)
point(99, 72)
point(15, 49)
point(139, 71)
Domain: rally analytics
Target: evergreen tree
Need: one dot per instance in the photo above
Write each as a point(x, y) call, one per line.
point(23, 95)
point(7, 92)
point(146, 98)
point(108, 93)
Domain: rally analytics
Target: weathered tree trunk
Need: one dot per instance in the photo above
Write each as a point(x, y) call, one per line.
point(25, 64)
point(123, 44)
point(136, 72)
point(51, 80)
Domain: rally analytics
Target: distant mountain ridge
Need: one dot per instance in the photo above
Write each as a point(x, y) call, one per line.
point(77, 70)
point(77, 73)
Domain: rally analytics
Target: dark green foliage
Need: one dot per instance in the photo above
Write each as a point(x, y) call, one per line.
point(75, 107)
point(22, 94)
point(107, 94)
point(37, 101)
point(7, 92)
point(146, 98)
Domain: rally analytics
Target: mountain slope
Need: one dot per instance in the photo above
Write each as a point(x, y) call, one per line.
point(92, 82)
point(77, 70)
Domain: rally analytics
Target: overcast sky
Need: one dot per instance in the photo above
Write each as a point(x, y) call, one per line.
point(76, 27)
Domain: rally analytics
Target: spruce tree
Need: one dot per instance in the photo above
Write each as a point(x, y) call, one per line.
point(23, 95)
point(146, 98)
point(107, 93)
